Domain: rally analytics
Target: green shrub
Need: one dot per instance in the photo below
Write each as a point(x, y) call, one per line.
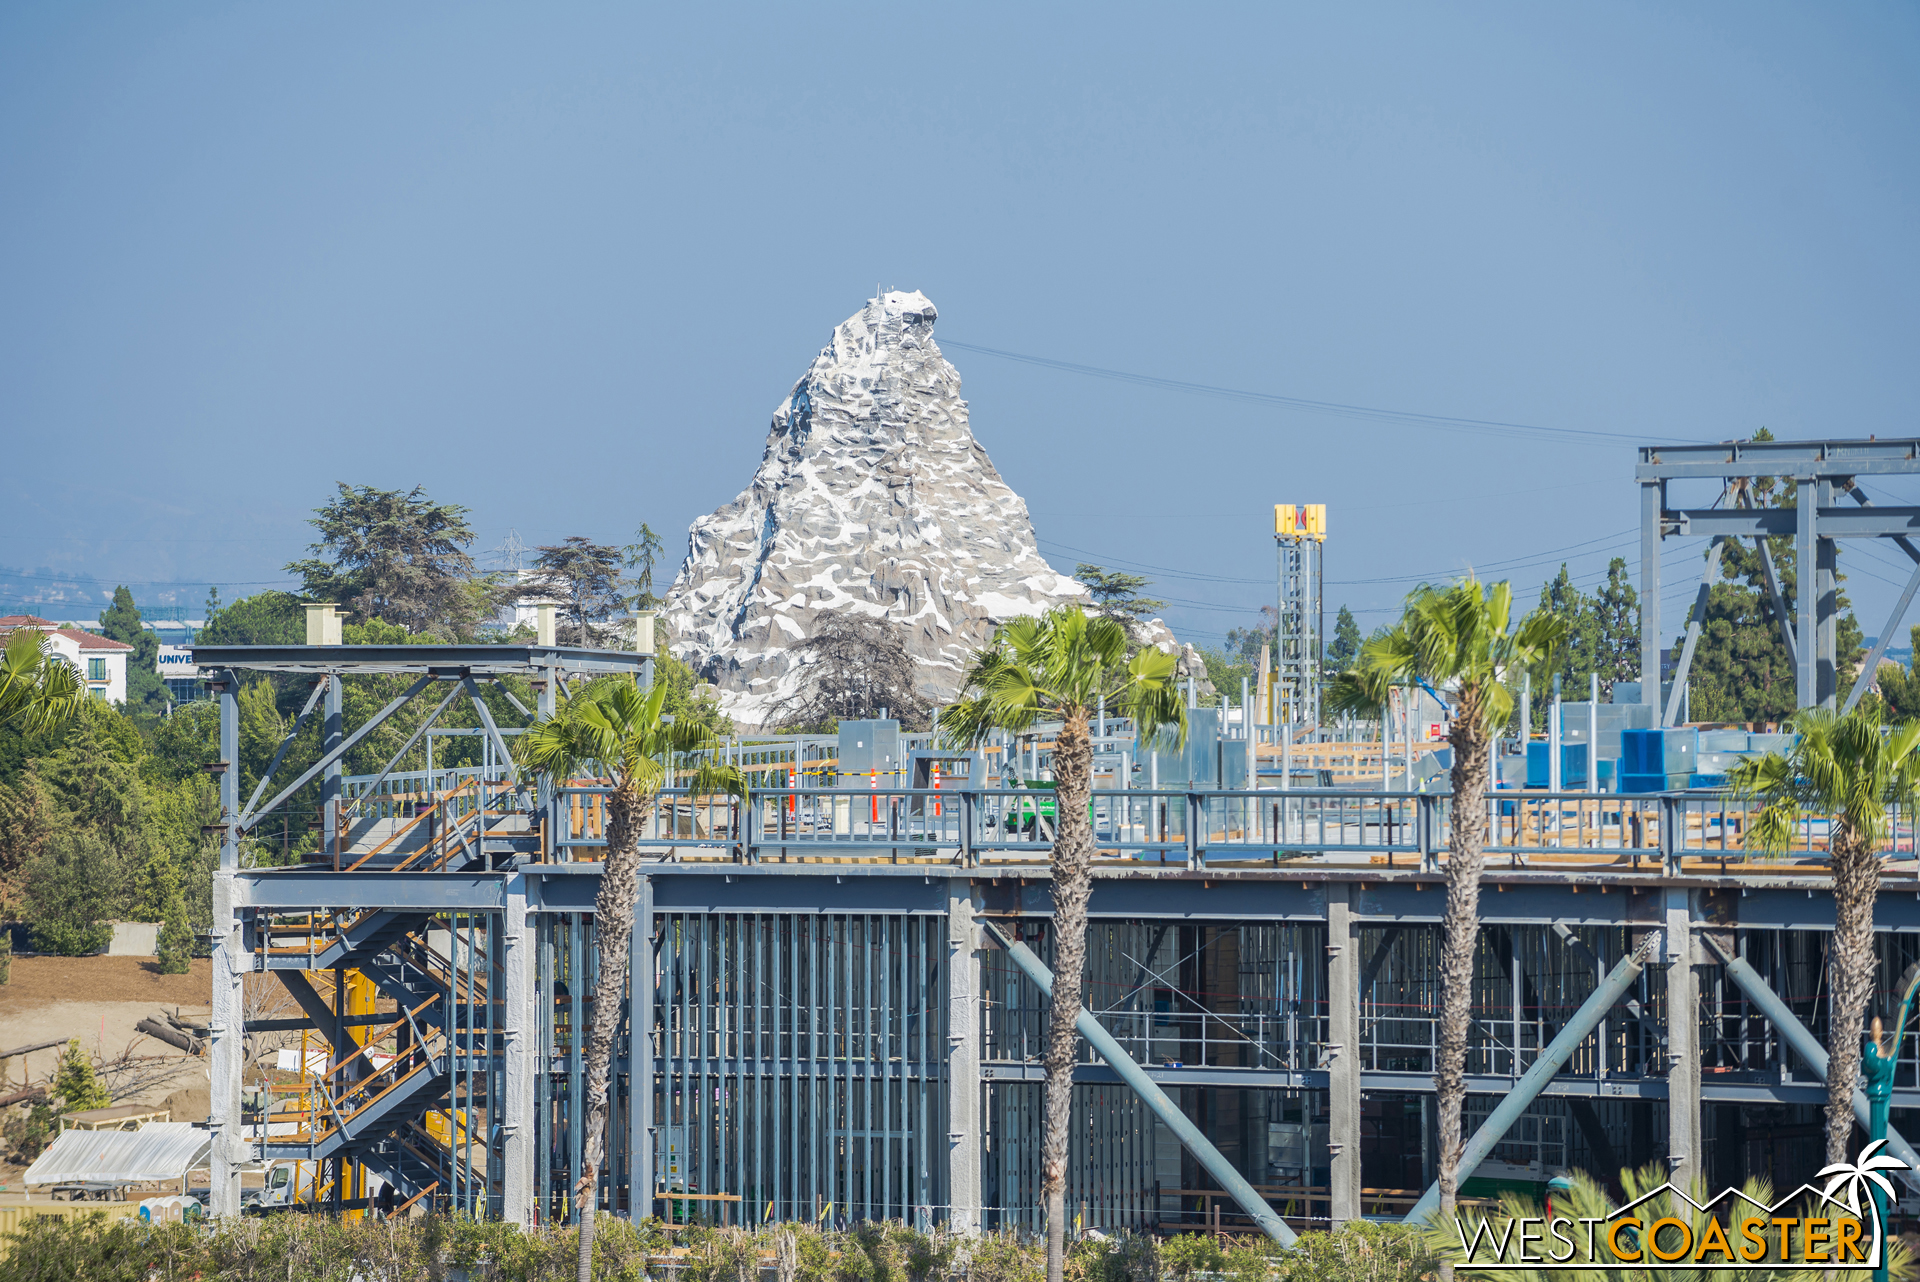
point(1188, 1254)
point(6, 955)
point(1360, 1252)
point(176, 938)
point(1001, 1258)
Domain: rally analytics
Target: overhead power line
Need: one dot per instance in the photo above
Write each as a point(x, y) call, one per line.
point(1340, 409)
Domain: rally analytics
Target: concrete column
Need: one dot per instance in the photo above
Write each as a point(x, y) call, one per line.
point(1343, 1055)
point(520, 1041)
point(964, 1102)
point(1684, 1154)
point(640, 1056)
point(231, 961)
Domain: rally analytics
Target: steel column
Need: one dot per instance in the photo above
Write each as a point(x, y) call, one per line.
point(963, 1060)
point(231, 961)
point(1806, 594)
point(520, 1052)
point(641, 975)
point(1343, 1058)
point(1684, 1152)
point(1826, 585)
point(1653, 496)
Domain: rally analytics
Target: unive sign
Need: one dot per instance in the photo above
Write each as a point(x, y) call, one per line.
point(1840, 1227)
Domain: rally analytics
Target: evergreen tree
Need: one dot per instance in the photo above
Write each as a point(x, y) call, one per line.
point(641, 556)
point(71, 891)
point(585, 576)
point(121, 622)
point(1344, 648)
point(1117, 593)
point(393, 555)
point(74, 1085)
point(1616, 610)
point(176, 938)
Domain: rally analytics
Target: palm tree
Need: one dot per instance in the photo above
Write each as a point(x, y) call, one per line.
point(612, 729)
point(39, 690)
point(1062, 666)
point(1851, 769)
point(1456, 636)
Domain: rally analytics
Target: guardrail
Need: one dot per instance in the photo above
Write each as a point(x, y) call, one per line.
point(1671, 832)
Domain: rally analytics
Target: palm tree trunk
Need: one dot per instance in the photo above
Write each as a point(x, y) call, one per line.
point(1461, 932)
point(1072, 886)
point(612, 933)
point(1856, 883)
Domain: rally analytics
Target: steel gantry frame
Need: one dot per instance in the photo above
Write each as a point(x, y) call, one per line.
point(413, 926)
point(1821, 470)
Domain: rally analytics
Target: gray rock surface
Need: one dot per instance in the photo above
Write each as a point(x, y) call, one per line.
point(873, 496)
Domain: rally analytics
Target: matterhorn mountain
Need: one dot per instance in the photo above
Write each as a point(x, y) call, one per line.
point(872, 496)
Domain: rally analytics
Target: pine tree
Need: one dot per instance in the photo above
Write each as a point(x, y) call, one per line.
point(1345, 646)
point(74, 1084)
point(176, 939)
point(121, 622)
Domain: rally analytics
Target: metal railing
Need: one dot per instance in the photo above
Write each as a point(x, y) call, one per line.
point(1671, 833)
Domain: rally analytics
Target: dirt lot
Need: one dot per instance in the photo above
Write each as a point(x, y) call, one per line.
point(99, 1000)
point(40, 981)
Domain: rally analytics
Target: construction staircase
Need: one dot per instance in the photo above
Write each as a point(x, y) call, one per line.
point(383, 1098)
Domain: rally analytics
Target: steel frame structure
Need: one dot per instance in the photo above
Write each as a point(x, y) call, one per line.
point(1822, 470)
point(819, 1024)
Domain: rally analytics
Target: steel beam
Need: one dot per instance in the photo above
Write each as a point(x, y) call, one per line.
point(1234, 1184)
point(486, 719)
point(279, 754)
point(1550, 1062)
point(1804, 1044)
point(1778, 458)
point(329, 762)
point(293, 888)
point(1781, 522)
point(446, 660)
point(1671, 713)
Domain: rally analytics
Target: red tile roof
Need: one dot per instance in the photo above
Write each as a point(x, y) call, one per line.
point(92, 641)
point(85, 640)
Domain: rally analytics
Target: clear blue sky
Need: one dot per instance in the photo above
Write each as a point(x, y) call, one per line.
point(560, 262)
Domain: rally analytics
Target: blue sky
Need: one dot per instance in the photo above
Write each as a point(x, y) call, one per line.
point(560, 262)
